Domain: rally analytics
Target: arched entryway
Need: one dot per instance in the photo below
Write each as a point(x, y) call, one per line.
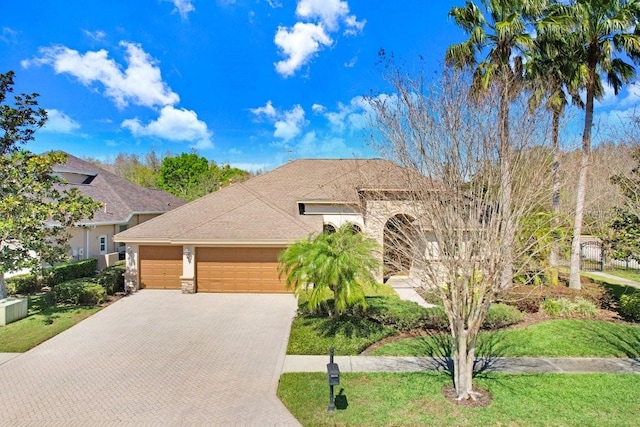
point(397, 245)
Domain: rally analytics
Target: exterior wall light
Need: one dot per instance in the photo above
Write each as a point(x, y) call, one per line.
point(187, 253)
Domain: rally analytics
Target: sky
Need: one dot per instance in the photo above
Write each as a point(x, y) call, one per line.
point(252, 83)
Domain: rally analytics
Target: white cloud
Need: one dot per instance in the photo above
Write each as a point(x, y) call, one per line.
point(95, 35)
point(274, 3)
point(174, 124)
point(329, 12)
point(139, 83)
point(59, 122)
point(354, 116)
point(318, 19)
point(183, 7)
point(353, 25)
point(9, 35)
point(318, 108)
point(332, 147)
point(290, 125)
point(287, 124)
point(299, 45)
point(267, 110)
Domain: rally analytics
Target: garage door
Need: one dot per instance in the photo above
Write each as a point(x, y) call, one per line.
point(238, 270)
point(160, 267)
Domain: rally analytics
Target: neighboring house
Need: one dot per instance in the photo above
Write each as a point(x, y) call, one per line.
point(229, 241)
point(124, 205)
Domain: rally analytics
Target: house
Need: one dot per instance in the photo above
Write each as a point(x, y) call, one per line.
point(123, 205)
point(229, 241)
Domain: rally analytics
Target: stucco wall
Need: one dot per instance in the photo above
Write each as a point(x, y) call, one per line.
point(86, 239)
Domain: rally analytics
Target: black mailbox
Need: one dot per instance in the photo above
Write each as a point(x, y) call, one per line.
point(333, 374)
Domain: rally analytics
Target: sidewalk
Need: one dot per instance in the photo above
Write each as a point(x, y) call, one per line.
point(616, 279)
point(514, 365)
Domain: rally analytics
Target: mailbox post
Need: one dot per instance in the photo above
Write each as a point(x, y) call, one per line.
point(333, 378)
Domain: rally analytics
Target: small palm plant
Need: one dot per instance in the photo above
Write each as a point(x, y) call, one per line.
point(342, 262)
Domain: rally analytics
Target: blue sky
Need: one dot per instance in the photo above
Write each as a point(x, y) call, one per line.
point(247, 82)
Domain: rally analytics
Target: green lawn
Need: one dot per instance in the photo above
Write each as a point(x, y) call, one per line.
point(383, 399)
point(42, 323)
point(552, 338)
point(626, 274)
point(348, 335)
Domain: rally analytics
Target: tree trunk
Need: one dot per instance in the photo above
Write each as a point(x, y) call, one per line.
point(3, 287)
point(555, 198)
point(463, 358)
point(574, 277)
point(505, 187)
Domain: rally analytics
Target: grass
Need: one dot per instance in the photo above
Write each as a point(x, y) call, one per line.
point(553, 338)
point(626, 274)
point(42, 323)
point(381, 399)
point(348, 335)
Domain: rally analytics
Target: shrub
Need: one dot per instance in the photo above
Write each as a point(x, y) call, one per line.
point(83, 291)
point(405, 315)
point(584, 307)
point(565, 307)
point(112, 279)
point(551, 306)
point(70, 271)
point(23, 284)
point(501, 316)
point(630, 306)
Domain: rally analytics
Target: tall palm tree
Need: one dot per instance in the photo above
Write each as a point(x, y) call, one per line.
point(553, 74)
point(608, 32)
point(341, 262)
point(502, 34)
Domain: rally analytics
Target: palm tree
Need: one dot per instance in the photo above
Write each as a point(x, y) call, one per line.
point(504, 32)
point(553, 74)
point(607, 30)
point(340, 262)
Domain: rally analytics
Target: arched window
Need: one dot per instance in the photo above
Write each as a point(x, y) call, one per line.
point(328, 229)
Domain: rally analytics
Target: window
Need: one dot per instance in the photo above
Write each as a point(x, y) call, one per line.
point(328, 229)
point(102, 243)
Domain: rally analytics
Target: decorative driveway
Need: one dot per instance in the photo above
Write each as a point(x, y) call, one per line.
point(157, 357)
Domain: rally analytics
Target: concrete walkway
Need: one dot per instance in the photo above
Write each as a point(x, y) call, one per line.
point(157, 358)
point(557, 365)
point(405, 287)
point(617, 279)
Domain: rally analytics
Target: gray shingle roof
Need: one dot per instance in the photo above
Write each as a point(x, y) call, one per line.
point(264, 209)
point(120, 198)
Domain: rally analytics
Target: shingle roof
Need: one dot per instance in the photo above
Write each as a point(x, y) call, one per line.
point(120, 198)
point(264, 209)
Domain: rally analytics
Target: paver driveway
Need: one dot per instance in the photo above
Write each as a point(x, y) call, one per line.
point(157, 357)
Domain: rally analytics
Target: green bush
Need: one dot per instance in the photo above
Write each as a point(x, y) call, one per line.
point(630, 306)
point(23, 284)
point(565, 307)
point(501, 316)
point(70, 271)
point(405, 315)
point(584, 307)
point(83, 291)
point(112, 279)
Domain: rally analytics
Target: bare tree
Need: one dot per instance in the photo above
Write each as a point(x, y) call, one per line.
point(459, 236)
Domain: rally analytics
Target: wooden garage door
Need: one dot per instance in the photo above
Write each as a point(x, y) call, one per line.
point(160, 267)
point(238, 270)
